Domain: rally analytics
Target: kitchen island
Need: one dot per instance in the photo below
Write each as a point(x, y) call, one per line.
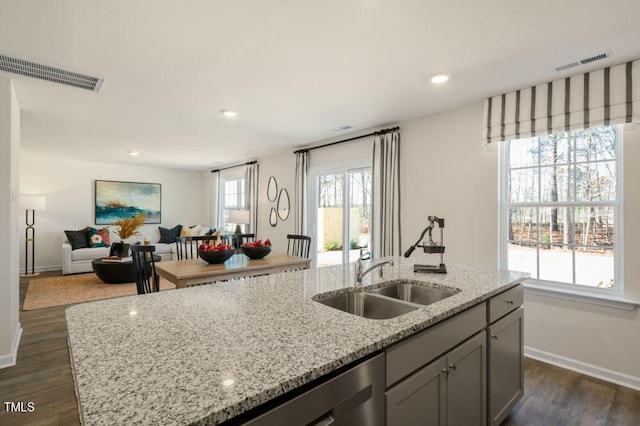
point(207, 354)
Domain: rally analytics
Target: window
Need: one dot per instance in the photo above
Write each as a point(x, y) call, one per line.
point(233, 198)
point(560, 203)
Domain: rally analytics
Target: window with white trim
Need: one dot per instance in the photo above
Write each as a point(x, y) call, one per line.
point(560, 201)
point(233, 197)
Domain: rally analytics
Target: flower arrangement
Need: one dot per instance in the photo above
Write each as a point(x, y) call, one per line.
point(129, 225)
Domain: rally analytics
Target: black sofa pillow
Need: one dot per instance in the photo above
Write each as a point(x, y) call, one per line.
point(169, 235)
point(78, 239)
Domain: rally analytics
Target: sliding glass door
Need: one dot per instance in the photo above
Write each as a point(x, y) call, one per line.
point(340, 213)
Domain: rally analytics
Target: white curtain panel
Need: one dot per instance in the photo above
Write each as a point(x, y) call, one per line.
point(598, 98)
point(215, 199)
point(302, 171)
point(251, 182)
point(386, 195)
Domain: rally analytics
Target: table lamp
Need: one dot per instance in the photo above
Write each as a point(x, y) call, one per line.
point(239, 217)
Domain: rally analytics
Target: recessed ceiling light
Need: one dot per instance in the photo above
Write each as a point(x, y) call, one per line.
point(439, 78)
point(228, 113)
point(133, 153)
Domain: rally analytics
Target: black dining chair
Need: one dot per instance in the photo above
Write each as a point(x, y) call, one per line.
point(298, 245)
point(238, 239)
point(187, 247)
point(144, 269)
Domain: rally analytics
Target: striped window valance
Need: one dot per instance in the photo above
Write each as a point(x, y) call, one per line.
point(597, 98)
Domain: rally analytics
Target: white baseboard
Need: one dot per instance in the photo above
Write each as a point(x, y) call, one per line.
point(42, 268)
point(9, 360)
point(584, 368)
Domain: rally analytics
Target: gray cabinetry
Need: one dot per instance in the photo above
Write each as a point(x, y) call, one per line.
point(467, 383)
point(419, 399)
point(448, 391)
point(438, 376)
point(506, 355)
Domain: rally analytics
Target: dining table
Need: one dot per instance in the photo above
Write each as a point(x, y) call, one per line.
point(196, 271)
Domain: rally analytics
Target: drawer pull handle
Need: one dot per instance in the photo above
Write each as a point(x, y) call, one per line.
point(494, 337)
point(326, 420)
point(510, 302)
point(452, 367)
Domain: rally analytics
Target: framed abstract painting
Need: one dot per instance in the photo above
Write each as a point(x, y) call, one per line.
point(118, 200)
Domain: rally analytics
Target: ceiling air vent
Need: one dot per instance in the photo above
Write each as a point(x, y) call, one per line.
point(583, 61)
point(341, 128)
point(49, 73)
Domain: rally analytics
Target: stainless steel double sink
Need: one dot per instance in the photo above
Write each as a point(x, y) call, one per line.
point(389, 300)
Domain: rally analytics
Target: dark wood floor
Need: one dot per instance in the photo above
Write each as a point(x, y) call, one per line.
point(553, 396)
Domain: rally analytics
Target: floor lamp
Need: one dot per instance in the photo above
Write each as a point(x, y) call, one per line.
point(31, 203)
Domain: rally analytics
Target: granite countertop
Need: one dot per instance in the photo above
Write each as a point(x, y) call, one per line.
point(207, 353)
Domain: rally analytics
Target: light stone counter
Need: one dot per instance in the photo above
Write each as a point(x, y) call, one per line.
point(205, 354)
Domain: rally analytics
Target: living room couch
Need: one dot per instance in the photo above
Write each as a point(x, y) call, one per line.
point(79, 260)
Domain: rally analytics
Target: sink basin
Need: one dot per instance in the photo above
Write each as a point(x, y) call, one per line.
point(415, 293)
point(368, 305)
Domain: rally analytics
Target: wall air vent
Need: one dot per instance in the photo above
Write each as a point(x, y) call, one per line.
point(583, 61)
point(49, 73)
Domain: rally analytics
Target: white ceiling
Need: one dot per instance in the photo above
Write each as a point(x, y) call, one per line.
point(293, 69)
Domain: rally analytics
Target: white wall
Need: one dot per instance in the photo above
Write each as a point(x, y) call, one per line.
point(70, 190)
point(281, 166)
point(10, 329)
point(447, 172)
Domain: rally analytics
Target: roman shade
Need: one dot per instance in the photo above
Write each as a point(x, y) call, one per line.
point(598, 98)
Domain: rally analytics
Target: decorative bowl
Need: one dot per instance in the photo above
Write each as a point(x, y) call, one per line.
point(256, 252)
point(218, 256)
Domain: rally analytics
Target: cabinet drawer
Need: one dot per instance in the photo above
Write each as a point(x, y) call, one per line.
point(505, 302)
point(407, 356)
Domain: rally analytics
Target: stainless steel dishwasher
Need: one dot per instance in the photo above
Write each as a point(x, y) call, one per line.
point(354, 398)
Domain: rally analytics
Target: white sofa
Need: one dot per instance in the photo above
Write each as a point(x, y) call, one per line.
point(79, 260)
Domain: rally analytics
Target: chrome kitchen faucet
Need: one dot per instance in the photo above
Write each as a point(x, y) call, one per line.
point(360, 273)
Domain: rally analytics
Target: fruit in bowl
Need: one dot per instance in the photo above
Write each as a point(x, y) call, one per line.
point(215, 253)
point(256, 249)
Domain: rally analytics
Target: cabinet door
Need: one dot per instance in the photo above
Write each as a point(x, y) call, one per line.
point(506, 365)
point(419, 399)
point(466, 368)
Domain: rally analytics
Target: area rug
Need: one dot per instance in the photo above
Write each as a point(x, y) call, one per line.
point(70, 289)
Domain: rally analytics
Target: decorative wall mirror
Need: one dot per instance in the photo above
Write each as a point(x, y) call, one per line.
point(272, 189)
point(283, 204)
point(273, 217)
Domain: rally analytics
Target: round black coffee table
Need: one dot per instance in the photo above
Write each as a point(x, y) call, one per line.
point(116, 272)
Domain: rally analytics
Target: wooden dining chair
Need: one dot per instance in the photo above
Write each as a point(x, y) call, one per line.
point(187, 247)
point(144, 269)
point(298, 245)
